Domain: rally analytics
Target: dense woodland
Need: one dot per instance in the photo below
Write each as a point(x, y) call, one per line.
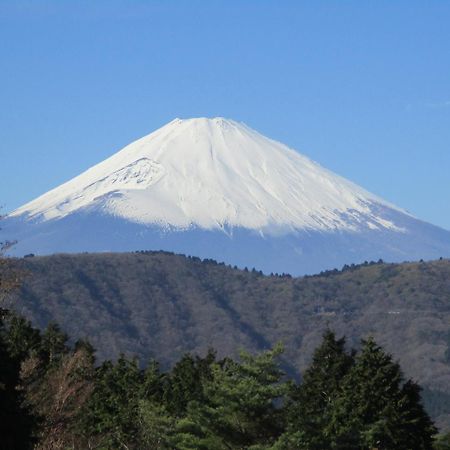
point(161, 306)
point(54, 396)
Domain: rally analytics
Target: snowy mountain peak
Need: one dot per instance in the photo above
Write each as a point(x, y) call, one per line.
point(213, 174)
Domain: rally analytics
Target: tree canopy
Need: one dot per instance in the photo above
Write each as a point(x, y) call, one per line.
point(53, 396)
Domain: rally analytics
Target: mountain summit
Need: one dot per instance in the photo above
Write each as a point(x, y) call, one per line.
point(213, 173)
point(216, 188)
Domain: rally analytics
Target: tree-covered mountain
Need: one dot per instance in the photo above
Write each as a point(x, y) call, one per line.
point(162, 305)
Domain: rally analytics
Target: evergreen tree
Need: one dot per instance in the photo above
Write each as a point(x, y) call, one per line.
point(110, 417)
point(376, 410)
point(153, 383)
point(86, 347)
point(185, 382)
point(20, 337)
point(53, 344)
point(239, 408)
point(442, 442)
point(418, 429)
point(310, 404)
point(155, 424)
point(17, 423)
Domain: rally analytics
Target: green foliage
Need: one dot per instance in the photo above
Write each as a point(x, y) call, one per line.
point(21, 338)
point(185, 382)
point(156, 303)
point(53, 343)
point(153, 383)
point(311, 403)
point(442, 442)
point(239, 408)
point(53, 397)
point(156, 425)
point(16, 421)
point(376, 410)
point(111, 414)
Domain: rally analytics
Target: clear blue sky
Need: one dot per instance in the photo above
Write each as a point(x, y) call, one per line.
point(362, 87)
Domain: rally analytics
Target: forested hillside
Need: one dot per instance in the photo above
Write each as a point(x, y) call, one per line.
point(162, 305)
point(54, 397)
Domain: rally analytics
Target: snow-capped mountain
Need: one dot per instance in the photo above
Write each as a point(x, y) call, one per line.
point(216, 188)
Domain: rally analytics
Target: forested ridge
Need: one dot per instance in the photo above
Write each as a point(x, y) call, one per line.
point(160, 305)
point(54, 396)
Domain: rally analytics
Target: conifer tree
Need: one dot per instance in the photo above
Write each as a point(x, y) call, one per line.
point(155, 425)
point(17, 423)
point(376, 409)
point(442, 442)
point(111, 415)
point(155, 422)
point(153, 383)
point(310, 403)
point(20, 337)
point(239, 409)
point(184, 383)
point(53, 344)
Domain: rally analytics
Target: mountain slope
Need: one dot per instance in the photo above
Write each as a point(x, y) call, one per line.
point(162, 305)
point(216, 188)
point(211, 174)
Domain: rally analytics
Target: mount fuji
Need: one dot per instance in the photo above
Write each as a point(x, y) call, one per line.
point(215, 188)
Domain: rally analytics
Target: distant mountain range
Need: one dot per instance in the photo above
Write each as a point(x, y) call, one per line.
point(162, 305)
point(215, 188)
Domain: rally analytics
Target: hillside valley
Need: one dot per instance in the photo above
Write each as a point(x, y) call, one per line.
point(161, 305)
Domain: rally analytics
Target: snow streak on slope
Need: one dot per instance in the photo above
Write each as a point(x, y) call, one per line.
point(214, 174)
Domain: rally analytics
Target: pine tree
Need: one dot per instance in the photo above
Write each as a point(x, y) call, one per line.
point(184, 383)
point(376, 409)
point(239, 409)
point(20, 337)
point(310, 404)
point(110, 416)
point(418, 429)
point(153, 383)
point(442, 442)
point(155, 424)
point(53, 344)
point(17, 423)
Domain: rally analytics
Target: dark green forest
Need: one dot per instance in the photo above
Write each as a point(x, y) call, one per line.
point(157, 305)
point(54, 396)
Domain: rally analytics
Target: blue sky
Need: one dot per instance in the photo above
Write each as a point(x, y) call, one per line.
point(362, 87)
